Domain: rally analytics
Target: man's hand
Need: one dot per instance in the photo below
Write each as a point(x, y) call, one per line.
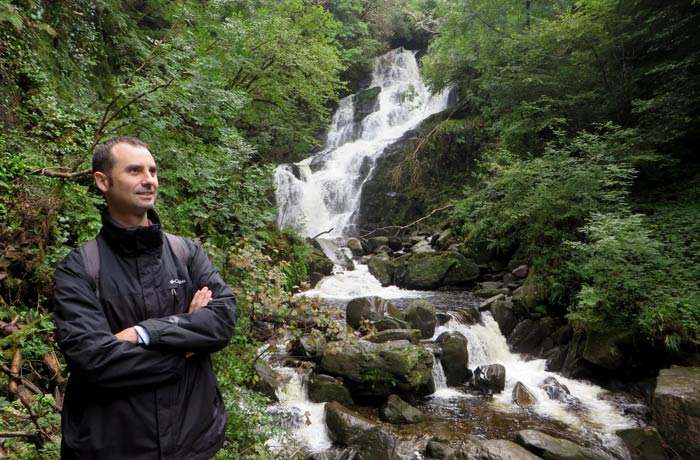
point(201, 299)
point(127, 335)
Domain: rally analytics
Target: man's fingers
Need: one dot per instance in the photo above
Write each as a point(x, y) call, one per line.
point(201, 299)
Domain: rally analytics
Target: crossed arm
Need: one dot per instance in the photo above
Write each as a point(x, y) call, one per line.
point(201, 299)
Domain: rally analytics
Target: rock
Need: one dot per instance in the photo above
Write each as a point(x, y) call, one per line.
point(486, 293)
point(498, 449)
point(555, 358)
point(324, 388)
point(522, 396)
point(334, 253)
point(376, 242)
point(421, 247)
point(520, 271)
point(550, 448)
point(375, 444)
point(526, 337)
point(430, 270)
point(396, 410)
point(269, 381)
point(563, 334)
point(468, 316)
point(528, 296)
point(318, 265)
point(378, 369)
point(444, 239)
point(389, 322)
point(387, 335)
point(454, 357)
point(368, 308)
point(486, 304)
point(643, 443)
point(420, 314)
point(607, 349)
point(382, 267)
point(502, 312)
point(437, 449)
point(676, 409)
point(557, 391)
point(310, 346)
point(355, 246)
point(365, 102)
point(490, 378)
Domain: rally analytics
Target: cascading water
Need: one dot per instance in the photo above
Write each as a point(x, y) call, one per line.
point(323, 192)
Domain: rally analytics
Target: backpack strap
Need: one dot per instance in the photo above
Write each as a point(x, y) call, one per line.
point(91, 260)
point(90, 253)
point(179, 246)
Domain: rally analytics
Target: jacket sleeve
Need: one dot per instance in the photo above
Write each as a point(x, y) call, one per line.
point(206, 330)
point(88, 343)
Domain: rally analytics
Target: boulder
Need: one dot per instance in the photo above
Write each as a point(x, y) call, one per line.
point(550, 448)
point(520, 271)
point(454, 357)
point(376, 242)
point(643, 443)
point(502, 312)
point(355, 246)
point(382, 267)
point(438, 449)
point(444, 239)
point(309, 346)
point(387, 335)
point(324, 388)
point(365, 102)
point(430, 270)
point(396, 410)
point(421, 247)
point(378, 369)
point(526, 337)
point(607, 350)
point(334, 253)
point(318, 265)
point(269, 381)
point(522, 396)
point(420, 314)
point(676, 409)
point(389, 322)
point(555, 358)
point(490, 378)
point(559, 392)
point(368, 308)
point(349, 428)
point(497, 449)
point(528, 296)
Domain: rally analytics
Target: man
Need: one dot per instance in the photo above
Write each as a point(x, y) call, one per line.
point(137, 335)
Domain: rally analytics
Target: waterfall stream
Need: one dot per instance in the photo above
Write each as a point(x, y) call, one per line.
point(323, 191)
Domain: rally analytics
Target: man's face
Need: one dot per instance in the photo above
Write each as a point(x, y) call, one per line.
point(131, 186)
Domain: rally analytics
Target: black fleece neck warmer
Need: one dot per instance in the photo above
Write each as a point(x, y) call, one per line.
point(133, 241)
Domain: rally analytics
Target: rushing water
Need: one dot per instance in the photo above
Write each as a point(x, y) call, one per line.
point(323, 192)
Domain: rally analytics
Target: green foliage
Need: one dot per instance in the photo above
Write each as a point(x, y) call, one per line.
point(630, 282)
point(534, 205)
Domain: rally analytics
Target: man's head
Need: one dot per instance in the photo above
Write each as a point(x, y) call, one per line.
point(125, 172)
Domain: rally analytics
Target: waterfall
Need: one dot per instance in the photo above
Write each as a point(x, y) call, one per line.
point(323, 191)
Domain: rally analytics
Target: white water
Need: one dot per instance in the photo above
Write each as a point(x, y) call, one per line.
point(348, 285)
point(486, 345)
point(325, 192)
point(306, 419)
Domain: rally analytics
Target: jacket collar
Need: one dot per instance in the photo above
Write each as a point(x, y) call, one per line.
point(133, 241)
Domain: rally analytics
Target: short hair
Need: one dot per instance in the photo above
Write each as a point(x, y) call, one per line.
point(102, 158)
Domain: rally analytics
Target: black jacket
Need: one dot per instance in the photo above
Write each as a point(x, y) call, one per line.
point(126, 401)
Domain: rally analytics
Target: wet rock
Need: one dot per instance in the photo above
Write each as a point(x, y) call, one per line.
point(269, 381)
point(319, 265)
point(420, 314)
point(563, 334)
point(468, 316)
point(373, 243)
point(422, 246)
point(676, 409)
point(334, 253)
point(559, 392)
point(502, 312)
point(355, 246)
point(454, 357)
point(487, 293)
point(607, 349)
point(382, 267)
point(550, 448)
point(437, 449)
point(389, 322)
point(490, 378)
point(643, 443)
point(526, 337)
point(387, 335)
point(442, 318)
point(522, 396)
point(555, 358)
point(349, 428)
point(378, 369)
point(498, 449)
point(431, 270)
point(396, 410)
point(324, 388)
point(444, 239)
point(368, 308)
point(310, 346)
point(528, 296)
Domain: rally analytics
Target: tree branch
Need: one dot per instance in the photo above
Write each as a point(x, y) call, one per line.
point(404, 227)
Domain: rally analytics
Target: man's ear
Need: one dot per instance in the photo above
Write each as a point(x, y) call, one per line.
point(101, 181)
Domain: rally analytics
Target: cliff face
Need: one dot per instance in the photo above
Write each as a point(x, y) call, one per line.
point(422, 170)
